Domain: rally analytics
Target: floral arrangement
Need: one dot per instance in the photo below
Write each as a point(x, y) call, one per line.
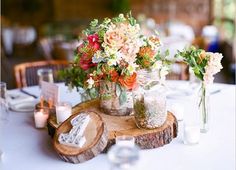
point(150, 58)
point(112, 51)
point(204, 64)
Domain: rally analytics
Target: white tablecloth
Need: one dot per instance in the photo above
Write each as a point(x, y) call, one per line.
point(27, 148)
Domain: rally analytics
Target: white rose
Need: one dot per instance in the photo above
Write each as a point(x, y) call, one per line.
point(90, 82)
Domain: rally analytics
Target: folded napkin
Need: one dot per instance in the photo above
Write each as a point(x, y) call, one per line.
point(14, 98)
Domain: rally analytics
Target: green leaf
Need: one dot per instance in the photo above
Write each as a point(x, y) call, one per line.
point(123, 97)
point(94, 23)
point(118, 90)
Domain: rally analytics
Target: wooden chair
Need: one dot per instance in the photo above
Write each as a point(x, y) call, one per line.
point(179, 71)
point(26, 73)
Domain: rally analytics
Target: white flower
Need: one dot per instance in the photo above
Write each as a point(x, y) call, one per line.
point(213, 66)
point(98, 57)
point(122, 16)
point(131, 68)
point(109, 51)
point(112, 62)
point(163, 72)
point(90, 82)
point(157, 65)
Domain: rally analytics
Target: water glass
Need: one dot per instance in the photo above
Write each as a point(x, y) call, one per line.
point(45, 74)
point(3, 90)
point(3, 102)
point(124, 154)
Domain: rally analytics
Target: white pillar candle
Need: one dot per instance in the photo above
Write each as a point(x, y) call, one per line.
point(178, 111)
point(63, 111)
point(40, 118)
point(191, 134)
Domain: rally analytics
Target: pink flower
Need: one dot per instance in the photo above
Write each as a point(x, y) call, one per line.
point(213, 66)
point(114, 38)
point(93, 41)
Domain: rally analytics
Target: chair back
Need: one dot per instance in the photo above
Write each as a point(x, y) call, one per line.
point(179, 71)
point(26, 73)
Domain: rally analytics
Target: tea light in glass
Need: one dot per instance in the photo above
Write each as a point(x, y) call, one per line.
point(63, 111)
point(191, 127)
point(191, 134)
point(41, 117)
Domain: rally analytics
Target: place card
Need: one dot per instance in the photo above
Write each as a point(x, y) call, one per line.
point(50, 92)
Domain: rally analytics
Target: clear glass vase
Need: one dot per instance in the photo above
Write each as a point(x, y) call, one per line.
point(204, 107)
point(114, 99)
point(150, 109)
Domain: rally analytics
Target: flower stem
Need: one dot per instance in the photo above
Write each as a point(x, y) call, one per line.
point(202, 104)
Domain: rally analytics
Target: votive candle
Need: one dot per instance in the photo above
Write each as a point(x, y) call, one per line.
point(40, 118)
point(191, 134)
point(63, 111)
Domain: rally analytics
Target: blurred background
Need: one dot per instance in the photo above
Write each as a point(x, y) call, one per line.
point(35, 30)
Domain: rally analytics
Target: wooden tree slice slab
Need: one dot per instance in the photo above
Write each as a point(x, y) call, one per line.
point(96, 140)
point(125, 125)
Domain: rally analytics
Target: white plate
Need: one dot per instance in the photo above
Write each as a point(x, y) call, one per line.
point(24, 107)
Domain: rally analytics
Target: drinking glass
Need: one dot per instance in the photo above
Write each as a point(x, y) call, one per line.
point(124, 154)
point(3, 102)
point(3, 108)
point(45, 74)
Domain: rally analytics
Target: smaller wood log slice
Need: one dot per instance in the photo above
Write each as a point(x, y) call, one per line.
point(96, 139)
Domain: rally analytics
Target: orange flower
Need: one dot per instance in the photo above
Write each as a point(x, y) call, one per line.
point(114, 75)
point(146, 51)
point(128, 81)
point(154, 39)
point(201, 56)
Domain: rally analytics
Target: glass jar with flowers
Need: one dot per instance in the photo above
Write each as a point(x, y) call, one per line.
point(104, 64)
point(204, 65)
point(150, 96)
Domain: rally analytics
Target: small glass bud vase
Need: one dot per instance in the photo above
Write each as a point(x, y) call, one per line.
point(204, 107)
point(150, 107)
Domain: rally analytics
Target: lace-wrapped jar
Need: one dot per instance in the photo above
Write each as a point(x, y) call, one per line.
point(149, 102)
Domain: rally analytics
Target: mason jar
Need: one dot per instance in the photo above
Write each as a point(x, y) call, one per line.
point(150, 107)
point(115, 100)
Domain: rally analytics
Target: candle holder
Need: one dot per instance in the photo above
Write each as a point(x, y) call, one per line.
point(191, 128)
point(63, 111)
point(40, 117)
